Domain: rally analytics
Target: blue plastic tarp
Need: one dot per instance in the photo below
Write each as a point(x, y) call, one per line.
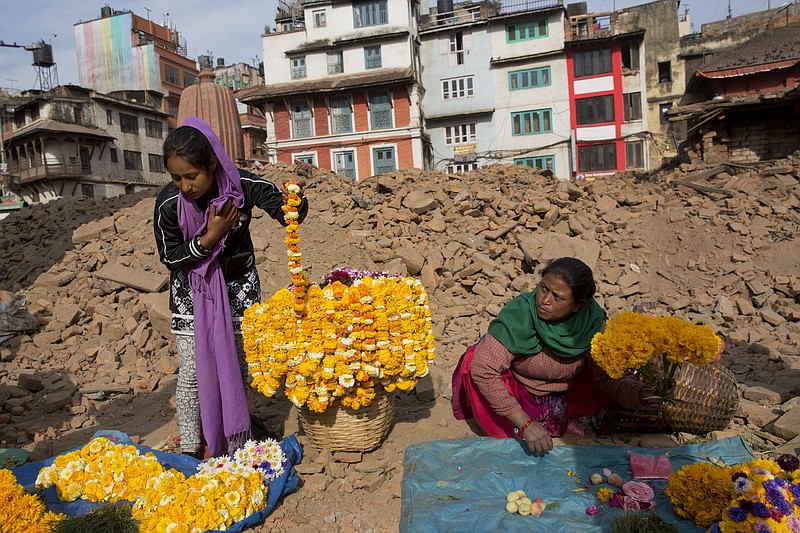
point(461, 484)
point(187, 465)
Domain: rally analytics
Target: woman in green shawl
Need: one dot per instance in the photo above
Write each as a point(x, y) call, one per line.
point(532, 371)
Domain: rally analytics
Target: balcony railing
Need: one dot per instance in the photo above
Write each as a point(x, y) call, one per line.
point(517, 6)
point(48, 170)
point(298, 73)
point(594, 26)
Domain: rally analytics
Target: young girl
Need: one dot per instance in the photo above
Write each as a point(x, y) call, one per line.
point(202, 231)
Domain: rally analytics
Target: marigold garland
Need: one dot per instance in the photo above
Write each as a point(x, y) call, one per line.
point(654, 346)
point(224, 491)
point(292, 217)
point(22, 512)
point(337, 342)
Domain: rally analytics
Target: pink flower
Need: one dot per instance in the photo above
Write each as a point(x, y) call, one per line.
point(617, 499)
point(635, 505)
point(636, 490)
point(591, 510)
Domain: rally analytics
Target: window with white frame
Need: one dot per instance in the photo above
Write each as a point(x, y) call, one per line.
point(335, 62)
point(301, 119)
point(298, 67)
point(370, 13)
point(458, 88)
point(531, 122)
point(341, 113)
point(344, 163)
point(457, 47)
point(372, 57)
point(383, 160)
point(380, 111)
point(309, 159)
point(461, 133)
point(319, 18)
point(460, 168)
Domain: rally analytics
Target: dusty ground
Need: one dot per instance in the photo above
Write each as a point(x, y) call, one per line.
point(364, 496)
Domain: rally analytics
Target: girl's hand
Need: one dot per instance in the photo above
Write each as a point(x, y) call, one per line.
point(300, 183)
point(538, 439)
point(220, 222)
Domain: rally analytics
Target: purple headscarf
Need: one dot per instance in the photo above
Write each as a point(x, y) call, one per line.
point(223, 405)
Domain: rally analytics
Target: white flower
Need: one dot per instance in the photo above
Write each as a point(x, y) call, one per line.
point(347, 380)
point(347, 341)
point(293, 188)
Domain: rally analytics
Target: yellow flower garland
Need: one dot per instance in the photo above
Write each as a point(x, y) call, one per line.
point(22, 512)
point(337, 342)
point(291, 215)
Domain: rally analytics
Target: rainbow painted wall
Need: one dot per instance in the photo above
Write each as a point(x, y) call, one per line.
point(107, 59)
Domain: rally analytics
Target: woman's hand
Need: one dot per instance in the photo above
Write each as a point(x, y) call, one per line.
point(300, 183)
point(219, 223)
point(538, 439)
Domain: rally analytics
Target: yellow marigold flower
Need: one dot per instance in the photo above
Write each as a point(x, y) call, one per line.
point(605, 494)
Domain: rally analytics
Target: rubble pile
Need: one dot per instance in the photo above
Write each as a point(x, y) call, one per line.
point(715, 245)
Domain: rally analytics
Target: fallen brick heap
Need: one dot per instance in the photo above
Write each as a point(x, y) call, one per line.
point(713, 245)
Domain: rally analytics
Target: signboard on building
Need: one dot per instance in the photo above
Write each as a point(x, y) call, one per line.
point(465, 153)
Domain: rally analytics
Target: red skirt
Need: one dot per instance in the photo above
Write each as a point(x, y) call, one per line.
point(552, 410)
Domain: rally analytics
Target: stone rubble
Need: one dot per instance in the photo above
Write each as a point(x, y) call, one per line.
point(712, 245)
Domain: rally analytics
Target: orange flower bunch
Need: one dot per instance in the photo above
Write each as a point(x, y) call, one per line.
point(299, 279)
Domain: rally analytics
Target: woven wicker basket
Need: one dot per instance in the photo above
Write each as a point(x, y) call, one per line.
point(343, 429)
point(705, 397)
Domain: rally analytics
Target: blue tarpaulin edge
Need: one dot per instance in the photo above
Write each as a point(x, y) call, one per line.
point(461, 484)
point(187, 465)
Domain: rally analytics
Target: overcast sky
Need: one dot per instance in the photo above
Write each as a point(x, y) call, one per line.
point(230, 30)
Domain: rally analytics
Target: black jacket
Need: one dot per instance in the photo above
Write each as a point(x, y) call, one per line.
point(237, 258)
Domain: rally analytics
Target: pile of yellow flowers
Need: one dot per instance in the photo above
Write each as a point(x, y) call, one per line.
point(758, 496)
point(164, 500)
point(700, 492)
point(20, 511)
point(337, 342)
point(654, 346)
point(376, 332)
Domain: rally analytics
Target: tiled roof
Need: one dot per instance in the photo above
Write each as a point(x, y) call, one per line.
point(772, 46)
point(328, 84)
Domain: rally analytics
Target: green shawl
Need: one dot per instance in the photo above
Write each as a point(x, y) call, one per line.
point(521, 331)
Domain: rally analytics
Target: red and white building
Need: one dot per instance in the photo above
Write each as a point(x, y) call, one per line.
point(342, 87)
point(608, 96)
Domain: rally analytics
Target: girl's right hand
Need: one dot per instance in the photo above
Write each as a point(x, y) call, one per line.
point(220, 223)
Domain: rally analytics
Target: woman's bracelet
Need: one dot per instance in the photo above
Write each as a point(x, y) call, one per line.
point(520, 433)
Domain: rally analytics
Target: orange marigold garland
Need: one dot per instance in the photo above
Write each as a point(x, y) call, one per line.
point(299, 279)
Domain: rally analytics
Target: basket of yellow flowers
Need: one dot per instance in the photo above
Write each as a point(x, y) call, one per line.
point(339, 348)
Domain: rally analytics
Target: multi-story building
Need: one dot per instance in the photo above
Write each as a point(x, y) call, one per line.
point(495, 84)
point(528, 67)
point(459, 101)
point(72, 141)
point(343, 88)
point(664, 69)
point(607, 94)
point(122, 52)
